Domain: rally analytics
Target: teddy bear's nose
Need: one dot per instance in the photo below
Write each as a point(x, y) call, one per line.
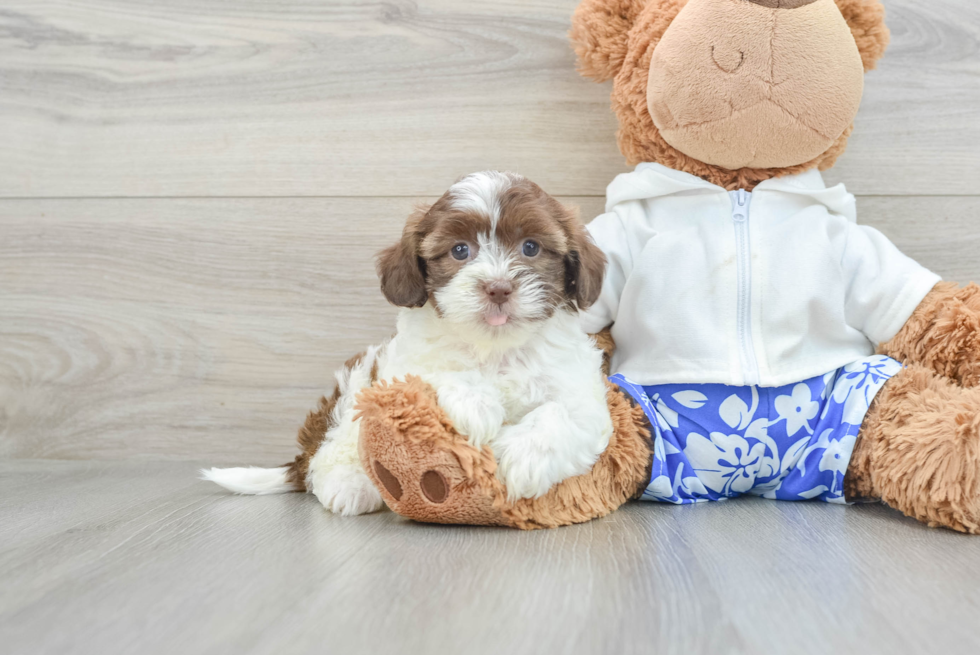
point(782, 4)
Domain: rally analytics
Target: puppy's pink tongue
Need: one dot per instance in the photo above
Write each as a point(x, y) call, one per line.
point(497, 319)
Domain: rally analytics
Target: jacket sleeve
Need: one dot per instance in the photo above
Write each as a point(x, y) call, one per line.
point(884, 287)
point(610, 235)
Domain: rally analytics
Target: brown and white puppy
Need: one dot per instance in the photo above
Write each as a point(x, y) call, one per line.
point(491, 278)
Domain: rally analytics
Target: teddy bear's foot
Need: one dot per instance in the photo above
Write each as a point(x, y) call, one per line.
point(428, 472)
point(919, 451)
point(423, 468)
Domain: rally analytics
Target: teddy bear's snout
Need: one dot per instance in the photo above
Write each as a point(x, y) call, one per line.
point(763, 86)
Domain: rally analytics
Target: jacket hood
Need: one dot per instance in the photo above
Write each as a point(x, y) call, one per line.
point(648, 181)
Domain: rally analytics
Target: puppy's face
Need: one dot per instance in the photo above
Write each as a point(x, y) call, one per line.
point(494, 253)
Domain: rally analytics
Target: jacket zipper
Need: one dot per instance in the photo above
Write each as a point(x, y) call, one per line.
point(741, 202)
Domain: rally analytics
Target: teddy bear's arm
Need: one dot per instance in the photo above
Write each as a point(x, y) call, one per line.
point(943, 334)
point(604, 341)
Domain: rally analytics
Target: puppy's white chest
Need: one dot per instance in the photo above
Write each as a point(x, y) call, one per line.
point(520, 391)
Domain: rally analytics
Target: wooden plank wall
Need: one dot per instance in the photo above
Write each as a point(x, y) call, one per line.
point(191, 191)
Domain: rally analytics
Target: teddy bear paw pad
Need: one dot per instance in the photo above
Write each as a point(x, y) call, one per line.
point(434, 487)
point(388, 480)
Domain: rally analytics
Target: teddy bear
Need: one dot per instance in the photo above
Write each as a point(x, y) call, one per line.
point(760, 341)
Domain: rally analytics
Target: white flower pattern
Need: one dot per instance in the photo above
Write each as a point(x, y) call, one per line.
point(731, 463)
point(797, 409)
point(792, 443)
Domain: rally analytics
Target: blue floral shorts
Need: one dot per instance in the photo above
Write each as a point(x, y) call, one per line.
point(712, 441)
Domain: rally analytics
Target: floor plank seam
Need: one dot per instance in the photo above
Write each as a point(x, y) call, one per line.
point(402, 197)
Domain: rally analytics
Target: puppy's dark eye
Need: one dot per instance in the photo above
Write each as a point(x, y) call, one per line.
point(531, 249)
point(460, 251)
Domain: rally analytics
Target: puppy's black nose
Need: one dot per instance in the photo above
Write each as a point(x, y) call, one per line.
point(499, 292)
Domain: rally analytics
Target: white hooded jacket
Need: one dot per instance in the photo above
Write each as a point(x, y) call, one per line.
point(765, 288)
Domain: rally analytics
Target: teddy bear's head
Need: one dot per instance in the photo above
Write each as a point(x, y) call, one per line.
point(734, 91)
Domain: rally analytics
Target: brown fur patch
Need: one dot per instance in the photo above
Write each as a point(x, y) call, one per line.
point(588, 266)
point(604, 341)
point(315, 428)
point(310, 437)
point(400, 269)
point(570, 265)
point(527, 212)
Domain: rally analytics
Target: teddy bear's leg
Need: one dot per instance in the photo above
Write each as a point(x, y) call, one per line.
point(423, 468)
point(943, 334)
point(428, 472)
point(919, 450)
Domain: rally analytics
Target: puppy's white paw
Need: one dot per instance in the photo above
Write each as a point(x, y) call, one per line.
point(525, 464)
point(348, 491)
point(541, 451)
point(525, 478)
point(479, 416)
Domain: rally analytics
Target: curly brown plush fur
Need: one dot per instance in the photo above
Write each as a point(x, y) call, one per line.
point(616, 38)
point(943, 334)
point(604, 341)
point(919, 451)
point(600, 30)
point(866, 19)
point(427, 471)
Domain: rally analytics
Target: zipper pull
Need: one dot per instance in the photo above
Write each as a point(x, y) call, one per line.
point(741, 199)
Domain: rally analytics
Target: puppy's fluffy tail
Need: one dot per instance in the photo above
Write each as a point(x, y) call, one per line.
point(252, 481)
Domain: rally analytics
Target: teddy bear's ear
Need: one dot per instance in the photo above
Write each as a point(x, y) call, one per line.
point(866, 18)
point(599, 34)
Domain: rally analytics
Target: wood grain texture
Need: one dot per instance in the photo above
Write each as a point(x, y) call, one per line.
point(206, 328)
point(108, 98)
point(141, 557)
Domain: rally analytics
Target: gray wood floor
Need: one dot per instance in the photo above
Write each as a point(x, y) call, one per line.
point(129, 557)
point(190, 195)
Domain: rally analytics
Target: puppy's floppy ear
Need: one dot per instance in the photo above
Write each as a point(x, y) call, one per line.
point(600, 34)
point(866, 18)
point(402, 269)
point(585, 265)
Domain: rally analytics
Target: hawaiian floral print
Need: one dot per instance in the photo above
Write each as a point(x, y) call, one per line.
point(713, 441)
